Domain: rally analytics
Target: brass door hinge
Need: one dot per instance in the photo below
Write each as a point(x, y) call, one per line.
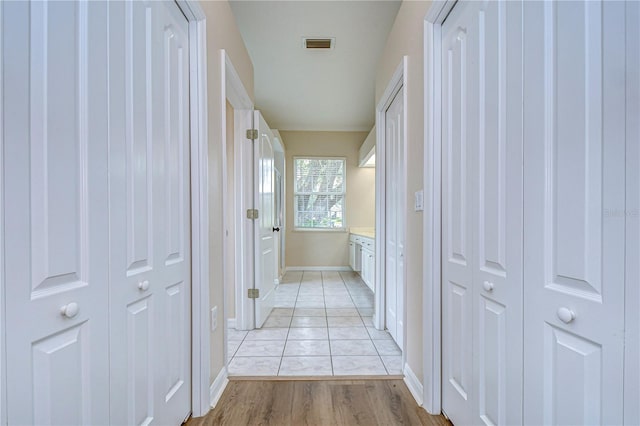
point(252, 134)
point(253, 293)
point(252, 213)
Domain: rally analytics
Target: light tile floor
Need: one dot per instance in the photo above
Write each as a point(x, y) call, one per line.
point(321, 326)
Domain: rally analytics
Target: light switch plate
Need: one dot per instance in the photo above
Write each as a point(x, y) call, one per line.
point(419, 200)
point(214, 318)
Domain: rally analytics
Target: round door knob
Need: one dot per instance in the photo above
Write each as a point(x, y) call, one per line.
point(70, 310)
point(143, 285)
point(276, 229)
point(487, 285)
point(566, 315)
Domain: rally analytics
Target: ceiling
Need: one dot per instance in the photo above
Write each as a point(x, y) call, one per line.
point(298, 89)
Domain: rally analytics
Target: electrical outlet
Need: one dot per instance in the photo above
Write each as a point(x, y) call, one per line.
point(214, 318)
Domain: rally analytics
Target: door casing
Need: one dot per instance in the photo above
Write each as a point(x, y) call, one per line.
point(236, 94)
point(397, 83)
point(431, 291)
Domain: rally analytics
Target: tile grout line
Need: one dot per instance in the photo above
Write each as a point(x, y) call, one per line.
point(326, 320)
point(286, 339)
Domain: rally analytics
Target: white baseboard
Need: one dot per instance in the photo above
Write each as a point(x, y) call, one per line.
point(231, 323)
point(319, 268)
point(218, 386)
point(414, 385)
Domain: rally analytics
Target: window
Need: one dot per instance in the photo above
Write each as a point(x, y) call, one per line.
point(319, 193)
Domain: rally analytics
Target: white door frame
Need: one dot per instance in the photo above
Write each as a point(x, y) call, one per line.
point(397, 83)
point(236, 94)
point(431, 292)
point(632, 218)
point(3, 370)
point(200, 353)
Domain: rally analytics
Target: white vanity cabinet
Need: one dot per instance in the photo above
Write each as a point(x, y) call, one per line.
point(354, 252)
point(362, 258)
point(368, 262)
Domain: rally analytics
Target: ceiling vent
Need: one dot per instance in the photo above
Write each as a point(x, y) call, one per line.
point(318, 43)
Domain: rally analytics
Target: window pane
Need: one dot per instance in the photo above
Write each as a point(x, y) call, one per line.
point(319, 211)
point(319, 175)
point(319, 189)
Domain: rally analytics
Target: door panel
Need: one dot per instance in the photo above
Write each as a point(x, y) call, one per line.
point(482, 213)
point(266, 273)
point(574, 151)
point(456, 221)
point(498, 204)
point(173, 182)
point(150, 214)
point(394, 217)
point(55, 180)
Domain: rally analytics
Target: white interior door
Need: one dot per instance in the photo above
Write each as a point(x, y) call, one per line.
point(457, 218)
point(265, 255)
point(394, 217)
point(150, 214)
point(55, 177)
point(575, 178)
point(482, 213)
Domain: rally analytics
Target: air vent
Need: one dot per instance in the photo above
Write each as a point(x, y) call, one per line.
point(318, 43)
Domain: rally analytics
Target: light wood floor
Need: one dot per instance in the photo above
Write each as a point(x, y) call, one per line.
point(317, 402)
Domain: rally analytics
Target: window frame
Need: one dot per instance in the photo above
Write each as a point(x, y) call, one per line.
point(296, 227)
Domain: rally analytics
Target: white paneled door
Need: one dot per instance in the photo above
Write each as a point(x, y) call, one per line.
point(394, 217)
point(482, 213)
point(574, 131)
point(96, 174)
point(56, 190)
point(265, 244)
point(150, 216)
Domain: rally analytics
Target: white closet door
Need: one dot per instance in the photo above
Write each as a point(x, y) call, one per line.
point(55, 177)
point(395, 208)
point(150, 214)
point(495, 45)
point(574, 178)
point(457, 218)
point(482, 213)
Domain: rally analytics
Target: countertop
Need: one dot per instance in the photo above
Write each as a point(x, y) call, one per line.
point(364, 232)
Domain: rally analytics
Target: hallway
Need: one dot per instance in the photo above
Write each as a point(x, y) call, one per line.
point(321, 326)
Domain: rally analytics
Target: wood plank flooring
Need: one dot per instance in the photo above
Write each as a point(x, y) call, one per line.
point(317, 402)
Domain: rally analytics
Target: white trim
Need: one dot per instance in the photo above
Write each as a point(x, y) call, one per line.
point(231, 323)
point(217, 387)
point(318, 268)
point(3, 369)
point(414, 385)
point(632, 222)
point(235, 93)
point(397, 82)
point(200, 366)
point(431, 303)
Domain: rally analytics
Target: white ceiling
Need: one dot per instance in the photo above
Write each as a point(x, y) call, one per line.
point(297, 89)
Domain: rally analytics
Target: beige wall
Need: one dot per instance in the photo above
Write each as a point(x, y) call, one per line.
point(328, 248)
point(222, 33)
point(406, 38)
